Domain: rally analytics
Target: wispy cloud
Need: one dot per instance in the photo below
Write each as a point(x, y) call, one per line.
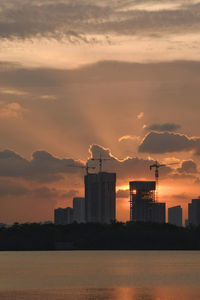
point(77, 19)
point(129, 137)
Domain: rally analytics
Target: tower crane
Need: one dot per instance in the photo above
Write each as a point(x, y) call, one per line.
point(100, 160)
point(86, 167)
point(157, 165)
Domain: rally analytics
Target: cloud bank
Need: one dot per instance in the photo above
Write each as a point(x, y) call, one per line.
point(77, 20)
point(166, 142)
point(42, 167)
point(163, 127)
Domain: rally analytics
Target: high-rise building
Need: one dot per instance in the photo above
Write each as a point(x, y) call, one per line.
point(63, 216)
point(194, 212)
point(143, 207)
point(175, 215)
point(100, 197)
point(79, 210)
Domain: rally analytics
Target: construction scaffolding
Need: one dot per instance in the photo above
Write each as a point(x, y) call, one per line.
point(142, 193)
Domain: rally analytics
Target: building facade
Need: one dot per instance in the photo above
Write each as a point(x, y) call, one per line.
point(79, 210)
point(194, 212)
point(143, 207)
point(63, 216)
point(100, 197)
point(175, 215)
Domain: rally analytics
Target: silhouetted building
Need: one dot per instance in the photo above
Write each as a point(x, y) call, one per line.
point(175, 215)
point(100, 197)
point(194, 212)
point(143, 207)
point(63, 216)
point(79, 210)
point(186, 223)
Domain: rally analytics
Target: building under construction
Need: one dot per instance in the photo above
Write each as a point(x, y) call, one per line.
point(143, 207)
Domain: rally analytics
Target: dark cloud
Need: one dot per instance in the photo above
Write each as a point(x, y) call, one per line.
point(188, 166)
point(42, 167)
point(77, 19)
point(16, 189)
point(16, 76)
point(50, 19)
point(163, 127)
point(97, 151)
point(130, 168)
point(166, 142)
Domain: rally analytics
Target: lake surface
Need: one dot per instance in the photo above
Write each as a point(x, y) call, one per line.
point(105, 275)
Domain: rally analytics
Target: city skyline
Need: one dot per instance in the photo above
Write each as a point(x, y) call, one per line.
point(45, 168)
point(99, 204)
point(89, 77)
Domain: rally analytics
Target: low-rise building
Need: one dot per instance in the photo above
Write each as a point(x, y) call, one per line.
point(63, 216)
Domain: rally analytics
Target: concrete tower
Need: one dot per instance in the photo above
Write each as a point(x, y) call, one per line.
point(100, 197)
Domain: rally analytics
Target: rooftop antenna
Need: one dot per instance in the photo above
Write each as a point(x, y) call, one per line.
point(100, 160)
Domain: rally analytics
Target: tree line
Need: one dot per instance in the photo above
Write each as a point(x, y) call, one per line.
point(94, 236)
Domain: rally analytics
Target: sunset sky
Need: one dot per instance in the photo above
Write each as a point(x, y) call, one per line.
point(83, 77)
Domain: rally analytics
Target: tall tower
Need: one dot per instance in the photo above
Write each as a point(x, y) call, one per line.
point(100, 197)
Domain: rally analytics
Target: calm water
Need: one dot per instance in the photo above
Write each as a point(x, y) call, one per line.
point(106, 275)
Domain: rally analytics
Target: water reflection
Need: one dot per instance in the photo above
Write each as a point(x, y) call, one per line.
point(118, 293)
point(144, 294)
point(159, 293)
point(100, 275)
point(134, 293)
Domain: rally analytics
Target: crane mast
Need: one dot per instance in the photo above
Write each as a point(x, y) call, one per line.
point(157, 166)
point(100, 160)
